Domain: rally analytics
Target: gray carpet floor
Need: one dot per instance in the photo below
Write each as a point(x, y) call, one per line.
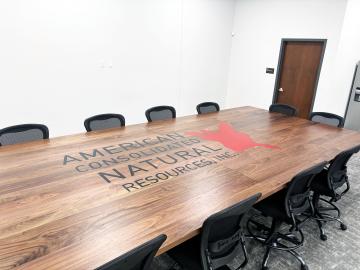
point(340, 252)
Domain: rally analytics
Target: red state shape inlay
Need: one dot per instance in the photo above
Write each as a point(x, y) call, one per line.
point(230, 138)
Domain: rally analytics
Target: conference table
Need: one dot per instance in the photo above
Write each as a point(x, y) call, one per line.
point(79, 201)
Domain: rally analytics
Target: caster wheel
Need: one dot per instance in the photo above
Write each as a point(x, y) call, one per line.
point(322, 237)
point(304, 267)
point(343, 227)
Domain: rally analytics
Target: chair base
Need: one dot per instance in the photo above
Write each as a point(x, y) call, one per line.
point(322, 216)
point(303, 265)
point(174, 267)
point(187, 256)
point(225, 267)
point(274, 239)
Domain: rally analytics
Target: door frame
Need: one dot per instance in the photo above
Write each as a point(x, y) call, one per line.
point(281, 60)
point(351, 91)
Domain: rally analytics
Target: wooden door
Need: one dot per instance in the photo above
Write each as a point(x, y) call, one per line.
point(299, 72)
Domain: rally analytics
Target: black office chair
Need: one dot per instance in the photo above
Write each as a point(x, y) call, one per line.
point(23, 133)
point(207, 107)
point(221, 240)
point(160, 113)
point(286, 206)
point(327, 118)
point(139, 258)
point(332, 182)
point(284, 109)
point(104, 121)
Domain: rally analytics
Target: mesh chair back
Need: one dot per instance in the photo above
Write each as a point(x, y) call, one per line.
point(160, 113)
point(207, 107)
point(337, 172)
point(284, 109)
point(139, 258)
point(104, 121)
point(221, 232)
point(298, 192)
point(327, 118)
point(23, 133)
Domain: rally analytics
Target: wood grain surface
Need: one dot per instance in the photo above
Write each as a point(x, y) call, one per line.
point(76, 202)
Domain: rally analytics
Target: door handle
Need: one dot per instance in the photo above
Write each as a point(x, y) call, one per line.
point(281, 90)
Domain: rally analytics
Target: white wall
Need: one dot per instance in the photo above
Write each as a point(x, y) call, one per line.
point(347, 57)
point(207, 41)
point(65, 60)
point(259, 27)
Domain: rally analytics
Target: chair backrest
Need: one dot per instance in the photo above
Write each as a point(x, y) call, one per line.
point(221, 232)
point(160, 113)
point(23, 133)
point(104, 121)
point(207, 107)
point(298, 191)
point(327, 118)
point(284, 109)
point(338, 169)
point(139, 258)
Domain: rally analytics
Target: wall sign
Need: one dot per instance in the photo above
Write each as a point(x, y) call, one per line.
point(270, 70)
